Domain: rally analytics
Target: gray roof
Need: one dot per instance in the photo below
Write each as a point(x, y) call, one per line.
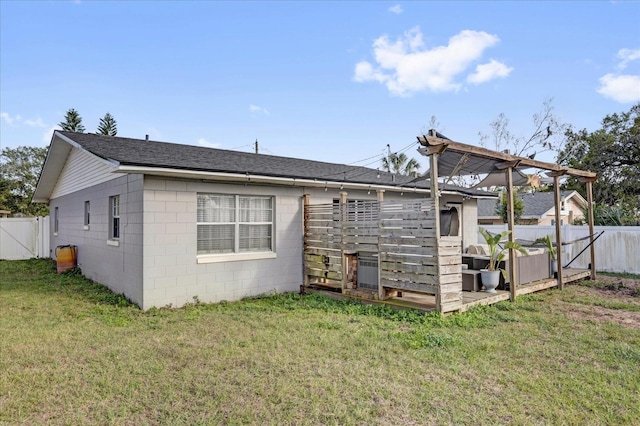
point(139, 152)
point(535, 205)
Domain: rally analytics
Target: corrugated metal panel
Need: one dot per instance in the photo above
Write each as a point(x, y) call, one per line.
point(82, 170)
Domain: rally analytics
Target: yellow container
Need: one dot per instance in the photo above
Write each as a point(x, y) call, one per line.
point(66, 257)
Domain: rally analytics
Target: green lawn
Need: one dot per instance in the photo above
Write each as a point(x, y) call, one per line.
point(71, 352)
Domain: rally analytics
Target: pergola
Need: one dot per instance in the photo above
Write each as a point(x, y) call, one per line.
point(450, 158)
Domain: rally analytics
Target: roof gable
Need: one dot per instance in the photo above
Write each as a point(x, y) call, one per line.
point(536, 204)
point(144, 156)
point(137, 152)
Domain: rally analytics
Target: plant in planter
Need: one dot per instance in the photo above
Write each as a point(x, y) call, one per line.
point(491, 275)
point(546, 240)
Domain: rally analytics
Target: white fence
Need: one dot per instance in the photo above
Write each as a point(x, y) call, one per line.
point(617, 250)
point(24, 238)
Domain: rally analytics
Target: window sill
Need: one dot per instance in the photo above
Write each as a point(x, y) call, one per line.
point(233, 257)
point(114, 243)
point(85, 227)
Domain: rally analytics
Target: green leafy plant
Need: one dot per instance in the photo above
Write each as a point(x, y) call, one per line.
point(496, 252)
point(546, 240)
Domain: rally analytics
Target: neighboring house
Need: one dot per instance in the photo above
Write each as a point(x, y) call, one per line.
point(539, 209)
point(163, 223)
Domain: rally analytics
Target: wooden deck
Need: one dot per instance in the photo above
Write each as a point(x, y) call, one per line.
point(427, 303)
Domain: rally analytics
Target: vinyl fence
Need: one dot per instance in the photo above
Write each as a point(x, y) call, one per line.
point(24, 238)
point(617, 250)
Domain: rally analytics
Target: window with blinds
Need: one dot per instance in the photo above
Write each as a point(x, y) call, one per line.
point(234, 224)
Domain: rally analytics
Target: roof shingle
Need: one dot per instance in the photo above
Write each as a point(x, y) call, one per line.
point(139, 152)
point(535, 204)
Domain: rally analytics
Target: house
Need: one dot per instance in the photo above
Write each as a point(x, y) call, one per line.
point(165, 223)
point(539, 209)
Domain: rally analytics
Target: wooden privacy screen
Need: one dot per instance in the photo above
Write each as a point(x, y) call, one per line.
point(411, 255)
point(323, 245)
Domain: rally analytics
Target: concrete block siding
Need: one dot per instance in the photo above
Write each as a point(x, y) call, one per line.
point(156, 262)
point(117, 267)
point(172, 275)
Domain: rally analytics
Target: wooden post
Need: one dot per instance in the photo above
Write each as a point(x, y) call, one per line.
point(556, 191)
point(591, 207)
point(305, 228)
point(511, 226)
point(436, 211)
point(381, 292)
point(343, 219)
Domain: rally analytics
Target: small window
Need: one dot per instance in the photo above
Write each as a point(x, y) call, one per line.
point(234, 224)
point(56, 221)
point(114, 217)
point(87, 213)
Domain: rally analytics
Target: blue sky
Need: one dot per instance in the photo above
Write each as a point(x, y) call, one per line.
point(332, 81)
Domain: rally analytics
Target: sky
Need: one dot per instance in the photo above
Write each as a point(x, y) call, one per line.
point(328, 81)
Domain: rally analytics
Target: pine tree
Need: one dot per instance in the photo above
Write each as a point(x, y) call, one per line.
point(72, 122)
point(108, 125)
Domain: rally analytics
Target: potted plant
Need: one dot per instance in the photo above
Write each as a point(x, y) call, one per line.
point(546, 240)
point(491, 275)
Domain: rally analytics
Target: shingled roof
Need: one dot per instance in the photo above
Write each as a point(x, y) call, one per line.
point(144, 153)
point(535, 205)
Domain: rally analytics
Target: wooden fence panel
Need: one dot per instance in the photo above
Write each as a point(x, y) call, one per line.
point(323, 245)
point(411, 256)
point(408, 246)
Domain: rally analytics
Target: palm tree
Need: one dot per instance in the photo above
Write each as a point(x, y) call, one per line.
point(401, 164)
point(108, 125)
point(72, 122)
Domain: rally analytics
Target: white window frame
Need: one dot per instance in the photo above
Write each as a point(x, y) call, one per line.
point(87, 214)
point(236, 254)
point(115, 228)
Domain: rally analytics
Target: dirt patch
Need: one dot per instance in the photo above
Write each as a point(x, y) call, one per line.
point(628, 319)
point(620, 286)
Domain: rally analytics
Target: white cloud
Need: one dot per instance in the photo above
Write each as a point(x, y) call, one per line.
point(7, 118)
point(207, 144)
point(627, 55)
point(621, 88)
point(48, 134)
point(406, 66)
point(35, 123)
point(397, 9)
point(489, 71)
point(258, 109)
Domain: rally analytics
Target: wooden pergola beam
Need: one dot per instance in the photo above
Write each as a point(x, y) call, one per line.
point(507, 165)
point(429, 141)
point(557, 173)
point(583, 179)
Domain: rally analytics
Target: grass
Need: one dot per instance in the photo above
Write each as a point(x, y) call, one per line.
point(72, 352)
point(620, 275)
